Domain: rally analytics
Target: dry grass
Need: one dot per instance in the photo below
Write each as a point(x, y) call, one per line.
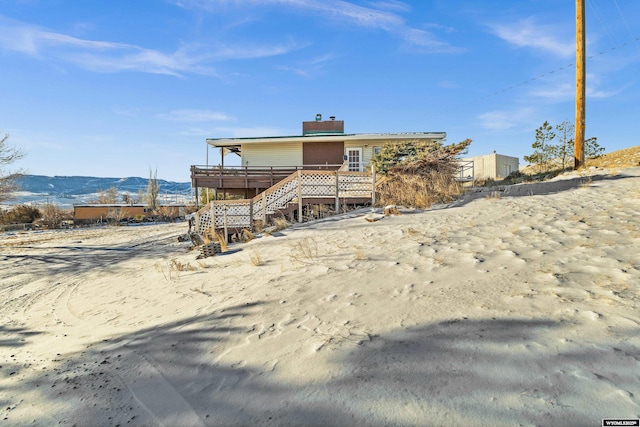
point(305, 251)
point(181, 266)
point(201, 290)
point(280, 223)
point(203, 264)
point(360, 255)
point(258, 226)
point(417, 190)
point(413, 232)
point(625, 158)
point(246, 236)
point(174, 268)
point(628, 157)
point(219, 237)
point(255, 258)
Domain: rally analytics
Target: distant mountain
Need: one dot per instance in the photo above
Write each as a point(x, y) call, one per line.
point(66, 191)
point(77, 185)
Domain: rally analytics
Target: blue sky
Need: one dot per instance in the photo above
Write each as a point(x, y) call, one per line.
point(113, 88)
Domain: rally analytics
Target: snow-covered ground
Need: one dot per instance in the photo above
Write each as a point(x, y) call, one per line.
point(66, 201)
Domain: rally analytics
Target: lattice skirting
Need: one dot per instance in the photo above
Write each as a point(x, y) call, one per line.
point(308, 184)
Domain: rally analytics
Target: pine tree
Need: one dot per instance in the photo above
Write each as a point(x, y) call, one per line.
point(592, 148)
point(394, 155)
point(565, 147)
point(206, 196)
point(544, 151)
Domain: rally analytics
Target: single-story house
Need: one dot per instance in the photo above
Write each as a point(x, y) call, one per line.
point(119, 211)
point(323, 144)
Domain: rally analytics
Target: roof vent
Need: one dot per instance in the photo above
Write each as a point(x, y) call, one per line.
point(318, 117)
point(332, 118)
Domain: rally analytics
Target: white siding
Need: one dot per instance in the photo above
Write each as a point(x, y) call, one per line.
point(290, 153)
point(274, 154)
point(367, 150)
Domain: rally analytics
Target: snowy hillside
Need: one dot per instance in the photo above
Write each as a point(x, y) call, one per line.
point(70, 190)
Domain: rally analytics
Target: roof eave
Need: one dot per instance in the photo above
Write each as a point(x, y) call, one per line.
point(226, 142)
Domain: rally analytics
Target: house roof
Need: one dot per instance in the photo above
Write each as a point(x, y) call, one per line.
point(328, 137)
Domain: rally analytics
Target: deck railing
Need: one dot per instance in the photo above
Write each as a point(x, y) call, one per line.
point(466, 171)
point(300, 187)
point(247, 176)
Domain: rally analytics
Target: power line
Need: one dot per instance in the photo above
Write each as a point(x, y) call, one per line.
point(603, 22)
point(538, 77)
point(626, 23)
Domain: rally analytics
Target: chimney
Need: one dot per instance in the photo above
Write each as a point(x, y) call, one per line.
point(319, 126)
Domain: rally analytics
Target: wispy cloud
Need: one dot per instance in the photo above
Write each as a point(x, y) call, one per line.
point(308, 68)
point(448, 84)
point(231, 132)
point(566, 91)
point(23, 38)
point(380, 15)
point(395, 5)
point(502, 120)
point(191, 115)
point(106, 56)
point(528, 33)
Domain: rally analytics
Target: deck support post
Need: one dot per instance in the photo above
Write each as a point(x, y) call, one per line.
point(373, 186)
point(212, 217)
point(337, 192)
point(224, 224)
point(264, 208)
point(251, 215)
point(299, 195)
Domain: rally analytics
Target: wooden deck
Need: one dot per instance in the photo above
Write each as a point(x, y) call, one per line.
point(287, 194)
point(252, 179)
point(299, 189)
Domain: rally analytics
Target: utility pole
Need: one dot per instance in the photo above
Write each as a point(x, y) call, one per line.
point(580, 85)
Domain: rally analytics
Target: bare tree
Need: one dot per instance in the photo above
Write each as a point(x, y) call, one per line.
point(8, 155)
point(153, 190)
point(116, 215)
point(52, 215)
point(108, 197)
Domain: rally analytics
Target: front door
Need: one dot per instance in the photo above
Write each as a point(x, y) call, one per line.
point(354, 159)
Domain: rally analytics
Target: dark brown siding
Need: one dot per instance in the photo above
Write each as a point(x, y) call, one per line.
point(327, 126)
point(321, 153)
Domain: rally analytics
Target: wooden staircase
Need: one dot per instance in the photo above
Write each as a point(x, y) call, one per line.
point(303, 187)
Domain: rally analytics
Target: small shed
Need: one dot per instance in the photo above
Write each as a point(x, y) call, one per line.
point(494, 166)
